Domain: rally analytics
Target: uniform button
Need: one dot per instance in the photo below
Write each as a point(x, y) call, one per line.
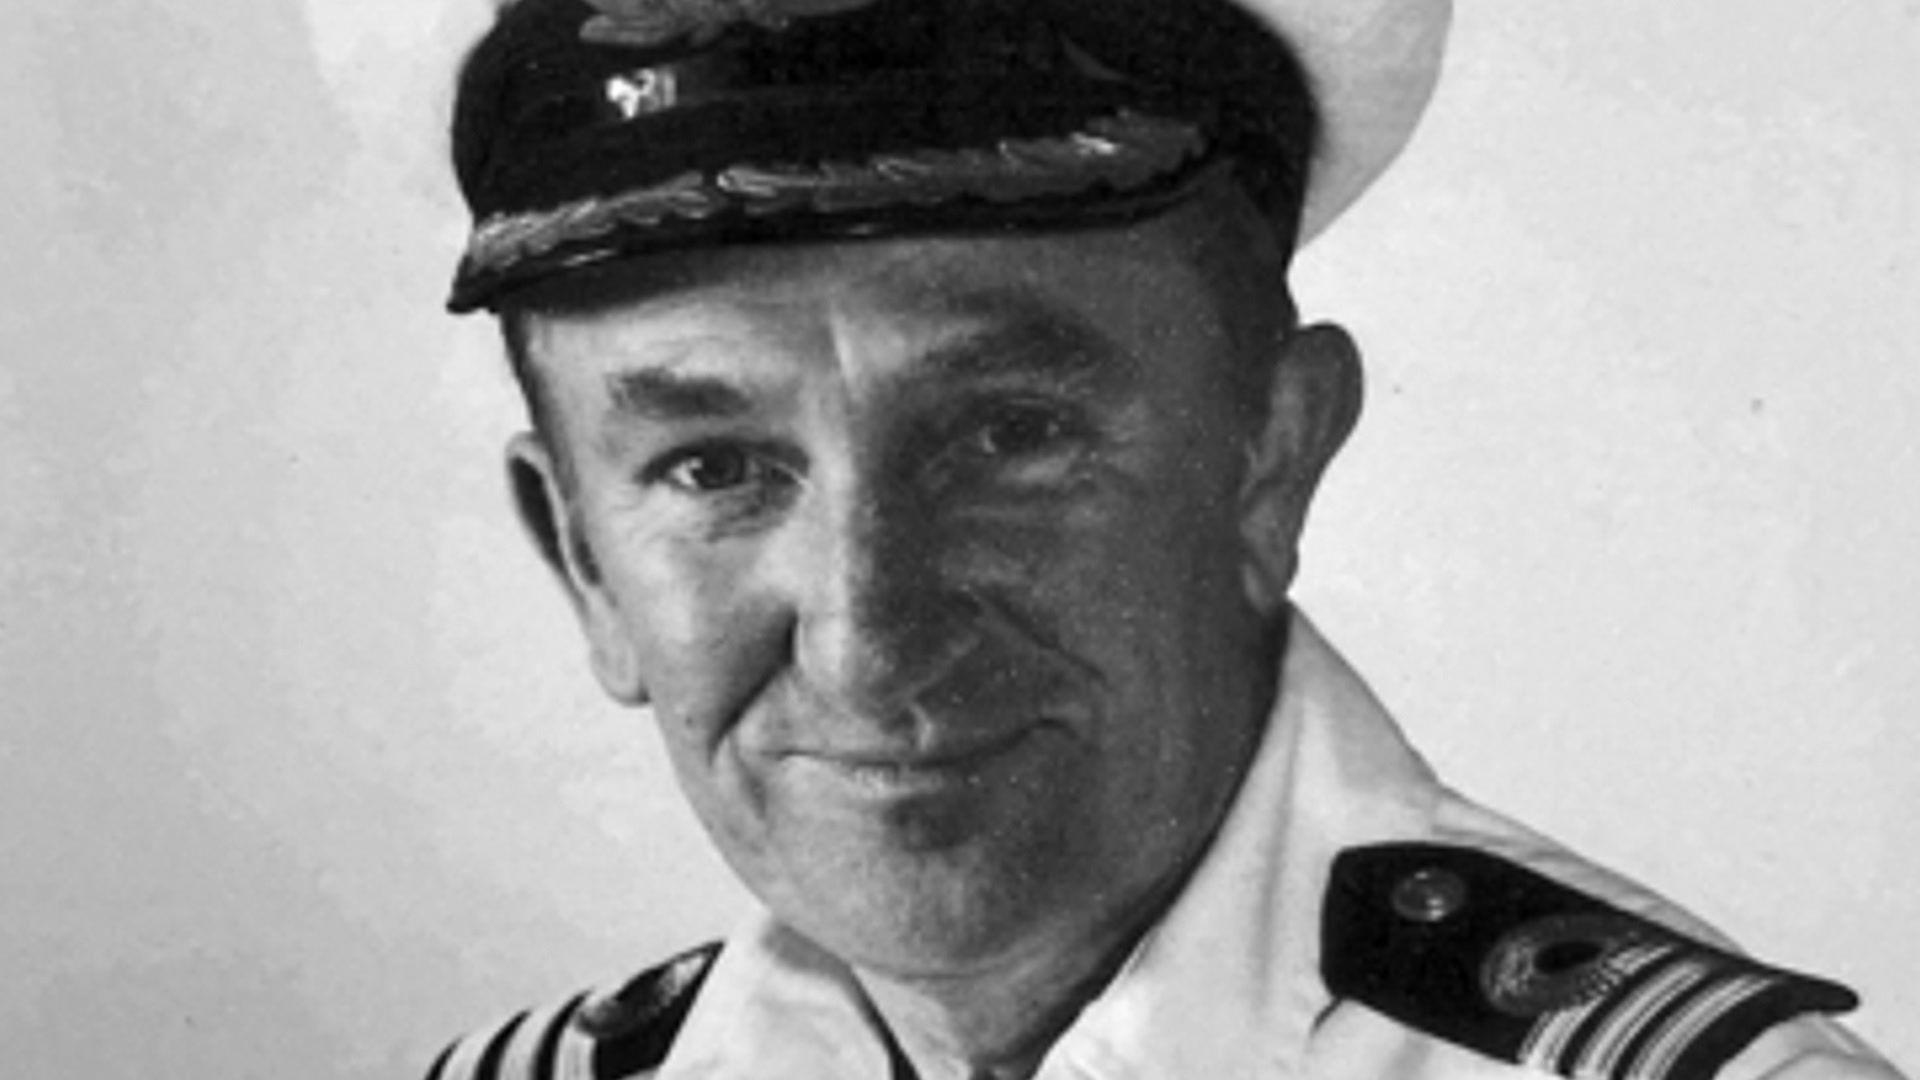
point(1430, 896)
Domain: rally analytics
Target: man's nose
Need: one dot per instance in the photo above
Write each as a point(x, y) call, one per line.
point(878, 624)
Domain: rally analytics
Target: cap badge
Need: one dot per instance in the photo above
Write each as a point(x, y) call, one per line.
point(651, 23)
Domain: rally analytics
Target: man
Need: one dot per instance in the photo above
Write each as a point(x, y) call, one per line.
point(923, 430)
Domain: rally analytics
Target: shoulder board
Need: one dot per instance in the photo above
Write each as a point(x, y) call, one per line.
point(1476, 950)
point(613, 1036)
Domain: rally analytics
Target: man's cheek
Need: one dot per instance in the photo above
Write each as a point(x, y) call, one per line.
point(1130, 591)
point(705, 642)
point(1064, 535)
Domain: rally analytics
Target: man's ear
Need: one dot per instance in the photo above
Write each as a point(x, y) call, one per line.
point(543, 503)
point(1313, 402)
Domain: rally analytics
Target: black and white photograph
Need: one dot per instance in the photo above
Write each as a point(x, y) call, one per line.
point(960, 540)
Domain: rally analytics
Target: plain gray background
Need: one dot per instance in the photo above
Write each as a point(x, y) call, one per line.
point(301, 770)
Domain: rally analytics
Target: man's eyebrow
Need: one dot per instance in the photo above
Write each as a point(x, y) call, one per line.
point(663, 395)
point(1018, 338)
point(1014, 337)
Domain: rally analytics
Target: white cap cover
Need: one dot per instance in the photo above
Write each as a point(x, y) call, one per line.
point(1374, 65)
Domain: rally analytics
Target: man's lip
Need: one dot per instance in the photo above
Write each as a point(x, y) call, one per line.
point(923, 766)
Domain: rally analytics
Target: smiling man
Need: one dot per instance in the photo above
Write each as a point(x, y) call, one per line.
point(923, 430)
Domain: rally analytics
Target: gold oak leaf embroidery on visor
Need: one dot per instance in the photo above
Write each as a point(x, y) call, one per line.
point(652, 23)
point(1125, 151)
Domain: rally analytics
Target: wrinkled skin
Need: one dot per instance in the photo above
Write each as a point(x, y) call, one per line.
point(951, 569)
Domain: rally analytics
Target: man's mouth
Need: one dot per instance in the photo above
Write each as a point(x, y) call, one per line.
point(935, 769)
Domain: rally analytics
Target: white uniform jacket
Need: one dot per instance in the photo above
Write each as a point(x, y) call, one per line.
point(1230, 984)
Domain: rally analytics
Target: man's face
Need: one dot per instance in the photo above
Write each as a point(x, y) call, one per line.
point(929, 557)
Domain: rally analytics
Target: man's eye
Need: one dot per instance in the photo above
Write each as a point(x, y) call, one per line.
point(711, 470)
point(1019, 431)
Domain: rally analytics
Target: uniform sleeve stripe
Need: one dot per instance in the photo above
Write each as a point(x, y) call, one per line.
point(1550, 1036)
point(1682, 967)
point(1547, 1044)
point(1682, 1029)
point(488, 1067)
point(463, 1062)
point(517, 1053)
point(1630, 1016)
point(439, 1069)
point(573, 1056)
point(546, 1056)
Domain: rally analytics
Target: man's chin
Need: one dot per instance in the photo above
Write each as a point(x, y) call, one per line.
point(934, 904)
point(927, 870)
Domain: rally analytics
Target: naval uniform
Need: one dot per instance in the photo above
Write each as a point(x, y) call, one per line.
point(1354, 919)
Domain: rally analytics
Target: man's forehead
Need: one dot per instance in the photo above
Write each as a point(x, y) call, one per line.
point(726, 369)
